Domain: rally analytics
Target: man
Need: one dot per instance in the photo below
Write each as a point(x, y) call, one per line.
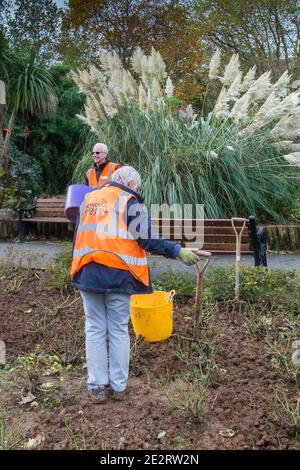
point(109, 264)
point(102, 169)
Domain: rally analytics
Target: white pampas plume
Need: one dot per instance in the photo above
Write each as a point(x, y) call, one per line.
point(136, 60)
point(147, 71)
point(128, 87)
point(284, 145)
point(234, 89)
point(288, 104)
point(111, 63)
point(156, 90)
point(143, 101)
point(108, 103)
point(232, 69)
point(265, 112)
point(295, 84)
point(260, 88)
point(293, 158)
point(169, 87)
point(280, 88)
point(221, 108)
point(268, 108)
point(159, 67)
point(214, 65)
point(295, 147)
point(96, 78)
point(240, 109)
point(248, 79)
point(288, 127)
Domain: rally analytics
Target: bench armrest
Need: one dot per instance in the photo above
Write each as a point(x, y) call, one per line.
point(27, 212)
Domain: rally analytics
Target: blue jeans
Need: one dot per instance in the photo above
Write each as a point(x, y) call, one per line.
point(106, 317)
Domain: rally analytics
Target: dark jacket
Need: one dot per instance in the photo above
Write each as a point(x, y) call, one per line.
point(95, 277)
point(99, 169)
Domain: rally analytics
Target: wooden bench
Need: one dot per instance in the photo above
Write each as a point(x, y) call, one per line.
point(218, 236)
point(49, 210)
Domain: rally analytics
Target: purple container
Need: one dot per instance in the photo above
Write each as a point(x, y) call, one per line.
point(75, 197)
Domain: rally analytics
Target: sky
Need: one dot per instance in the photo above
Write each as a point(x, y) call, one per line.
point(61, 3)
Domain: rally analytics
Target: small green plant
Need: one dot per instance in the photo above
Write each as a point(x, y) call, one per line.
point(184, 286)
point(77, 442)
point(269, 288)
point(135, 356)
point(199, 357)
point(31, 367)
point(282, 360)
point(58, 269)
point(287, 411)
point(258, 324)
point(9, 439)
point(14, 268)
point(188, 396)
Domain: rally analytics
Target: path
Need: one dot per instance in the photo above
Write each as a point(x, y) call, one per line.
point(158, 264)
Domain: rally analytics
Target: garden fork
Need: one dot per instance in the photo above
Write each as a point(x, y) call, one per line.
point(238, 230)
point(199, 289)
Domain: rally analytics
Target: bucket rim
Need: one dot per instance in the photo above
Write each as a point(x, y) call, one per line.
point(168, 299)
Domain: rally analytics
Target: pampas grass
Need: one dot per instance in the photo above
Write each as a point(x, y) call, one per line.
point(235, 160)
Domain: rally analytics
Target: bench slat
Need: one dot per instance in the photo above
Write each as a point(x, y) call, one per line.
point(220, 247)
point(47, 219)
point(192, 222)
point(207, 230)
point(50, 209)
point(49, 200)
point(51, 204)
point(207, 238)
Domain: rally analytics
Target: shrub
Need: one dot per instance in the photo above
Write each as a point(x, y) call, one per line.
point(58, 269)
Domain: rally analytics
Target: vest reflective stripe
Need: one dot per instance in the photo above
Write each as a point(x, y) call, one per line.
point(125, 258)
point(100, 228)
point(102, 235)
point(105, 176)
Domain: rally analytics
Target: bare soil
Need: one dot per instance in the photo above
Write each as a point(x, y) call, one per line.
point(237, 411)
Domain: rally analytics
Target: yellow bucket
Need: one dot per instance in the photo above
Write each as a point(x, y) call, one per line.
point(152, 315)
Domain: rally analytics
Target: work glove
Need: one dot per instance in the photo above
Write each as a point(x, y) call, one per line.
point(188, 256)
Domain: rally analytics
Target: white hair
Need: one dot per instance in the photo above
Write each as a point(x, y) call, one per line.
point(125, 175)
point(104, 147)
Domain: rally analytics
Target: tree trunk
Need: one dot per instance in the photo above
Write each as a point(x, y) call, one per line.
point(5, 148)
point(1, 127)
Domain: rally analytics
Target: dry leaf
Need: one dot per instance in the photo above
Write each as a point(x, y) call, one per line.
point(227, 433)
point(28, 399)
point(34, 442)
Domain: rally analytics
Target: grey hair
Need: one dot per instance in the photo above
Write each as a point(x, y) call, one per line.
point(127, 174)
point(103, 146)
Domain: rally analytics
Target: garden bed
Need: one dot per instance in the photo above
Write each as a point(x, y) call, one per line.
point(231, 366)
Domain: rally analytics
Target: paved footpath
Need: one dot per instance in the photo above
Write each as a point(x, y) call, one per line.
point(159, 265)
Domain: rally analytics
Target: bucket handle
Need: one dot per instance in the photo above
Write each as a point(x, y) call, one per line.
point(172, 293)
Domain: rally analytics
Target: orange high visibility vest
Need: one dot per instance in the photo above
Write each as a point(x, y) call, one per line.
point(102, 235)
point(105, 176)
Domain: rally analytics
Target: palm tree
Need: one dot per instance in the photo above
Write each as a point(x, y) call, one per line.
point(5, 62)
point(29, 90)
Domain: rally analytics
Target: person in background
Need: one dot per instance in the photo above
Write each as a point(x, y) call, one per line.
point(109, 265)
point(102, 169)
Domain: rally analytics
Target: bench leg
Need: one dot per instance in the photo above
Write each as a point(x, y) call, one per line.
point(262, 247)
point(21, 231)
point(258, 243)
